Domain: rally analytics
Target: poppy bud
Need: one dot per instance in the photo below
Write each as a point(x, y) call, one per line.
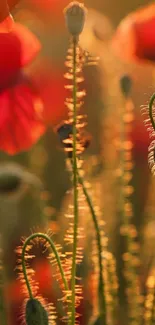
point(14, 180)
point(75, 14)
point(35, 313)
point(126, 84)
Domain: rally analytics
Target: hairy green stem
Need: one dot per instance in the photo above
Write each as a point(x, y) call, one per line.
point(49, 240)
point(132, 281)
point(151, 109)
point(102, 302)
point(75, 182)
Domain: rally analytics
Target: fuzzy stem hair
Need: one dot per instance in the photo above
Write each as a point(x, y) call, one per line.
point(102, 301)
point(24, 268)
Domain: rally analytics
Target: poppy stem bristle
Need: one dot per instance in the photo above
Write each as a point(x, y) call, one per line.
point(51, 244)
point(128, 229)
point(75, 181)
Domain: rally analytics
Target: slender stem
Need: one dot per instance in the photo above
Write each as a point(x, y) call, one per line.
point(3, 309)
point(102, 302)
point(150, 110)
point(153, 309)
point(131, 270)
point(75, 182)
point(49, 240)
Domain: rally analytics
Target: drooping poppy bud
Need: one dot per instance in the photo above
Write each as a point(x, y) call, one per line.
point(35, 313)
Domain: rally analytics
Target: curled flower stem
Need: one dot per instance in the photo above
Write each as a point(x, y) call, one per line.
point(102, 302)
point(75, 181)
point(49, 240)
point(151, 109)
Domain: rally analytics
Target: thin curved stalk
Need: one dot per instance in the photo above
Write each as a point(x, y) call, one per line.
point(49, 240)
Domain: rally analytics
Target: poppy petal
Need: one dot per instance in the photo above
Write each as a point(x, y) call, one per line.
point(5, 7)
point(4, 10)
point(20, 112)
point(12, 3)
point(23, 47)
point(30, 45)
point(7, 24)
point(52, 9)
point(50, 83)
point(136, 36)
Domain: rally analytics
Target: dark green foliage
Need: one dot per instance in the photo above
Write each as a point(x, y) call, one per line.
point(36, 313)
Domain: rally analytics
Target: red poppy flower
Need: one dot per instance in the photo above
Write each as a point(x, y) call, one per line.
point(51, 8)
point(20, 126)
point(50, 84)
point(5, 18)
point(135, 37)
point(43, 276)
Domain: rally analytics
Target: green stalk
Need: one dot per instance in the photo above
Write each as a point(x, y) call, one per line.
point(75, 183)
point(150, 110)
point(49, 240)
point(126, 221)
point(102, 301)
point(3, 311)
point(153, 310)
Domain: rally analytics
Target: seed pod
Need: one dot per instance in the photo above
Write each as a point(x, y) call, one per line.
point(75, 14)
point(36, 313)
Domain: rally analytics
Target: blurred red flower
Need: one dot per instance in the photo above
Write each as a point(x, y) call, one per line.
point(50, 8)
point(50, 83)
point(20, 126)
point(5, 18)
point(135, 37)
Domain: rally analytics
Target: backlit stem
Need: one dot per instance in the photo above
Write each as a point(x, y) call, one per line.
point(75, 182)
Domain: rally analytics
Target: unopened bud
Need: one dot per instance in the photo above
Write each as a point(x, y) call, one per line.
point(126, 85)
point(75, 14)
point(36, 313)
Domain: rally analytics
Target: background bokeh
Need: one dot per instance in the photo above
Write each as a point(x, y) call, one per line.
point(45, 202)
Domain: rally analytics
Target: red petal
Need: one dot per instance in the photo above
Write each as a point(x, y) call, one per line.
point(6, 25)
point(30, 45)
point(5, 6)
point(18, 48)
point(145, 39)
point(12, 3)
point(14, 293)
point(135, 35)
point(20, 126)
point(4, 10)
point(51, 8)
point(43, 276)
point(50, 83)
